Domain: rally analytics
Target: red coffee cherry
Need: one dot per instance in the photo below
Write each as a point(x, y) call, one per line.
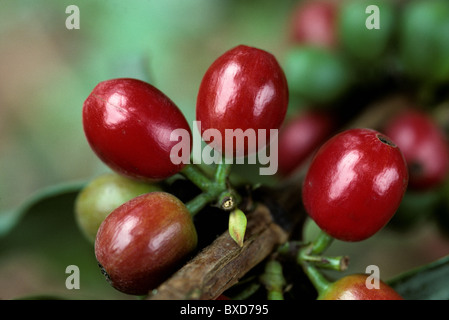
point(355, 184)
point(353, 287)
point(143, 241)
point(314, 22)
point(301, 136)
point(245, 88)
point(424, 146)
point(128, 124)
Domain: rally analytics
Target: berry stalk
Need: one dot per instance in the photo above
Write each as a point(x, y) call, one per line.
point(214, 189)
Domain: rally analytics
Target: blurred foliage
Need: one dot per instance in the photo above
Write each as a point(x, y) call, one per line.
point(428, 282)
point(51, 70)
point(43, 242)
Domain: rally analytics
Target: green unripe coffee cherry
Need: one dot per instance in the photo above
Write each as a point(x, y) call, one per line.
point(423, 39)
point(317, 75)
point(365, 32)
point(101, 196)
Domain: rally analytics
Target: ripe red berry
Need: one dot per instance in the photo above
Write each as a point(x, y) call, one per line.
point(353, 287)
point(424, 146)
point(355, 184)
point(245, 88)
point(143, 241)
point(314, 22)
point(301, 136)
point(128, 124)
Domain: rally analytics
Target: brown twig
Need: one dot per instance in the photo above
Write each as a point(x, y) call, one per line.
point(223, 263)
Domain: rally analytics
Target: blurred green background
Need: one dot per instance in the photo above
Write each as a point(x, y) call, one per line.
point(47, 71)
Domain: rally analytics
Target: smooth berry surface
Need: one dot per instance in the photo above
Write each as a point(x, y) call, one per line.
point(355, 184)
point(245, 88)
point(128, 124)
point(424, 146)
point(143, 241)
point(353, 287)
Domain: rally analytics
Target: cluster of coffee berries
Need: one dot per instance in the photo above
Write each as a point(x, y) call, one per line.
point(142, 232)
point(340, 62)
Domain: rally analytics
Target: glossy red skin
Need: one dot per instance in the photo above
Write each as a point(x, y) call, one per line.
point(314, 22)
point(143, 241)
point(128, 123)
point(424, 146)
point(245, 88)
point(353, 287)
point(300, 137)
point(355, 184)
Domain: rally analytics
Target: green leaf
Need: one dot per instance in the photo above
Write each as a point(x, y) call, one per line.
point(237, 226)
point(428, 282)
point(39, 240)
point(9, 219)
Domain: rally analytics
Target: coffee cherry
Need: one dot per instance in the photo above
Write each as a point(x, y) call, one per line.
point(355, 184)
point(316, 74)
point(128, 124)
point(313, 22)
point(353, 287)
point(101, 196)
point(423, 45)
point(245, 88)
point(143, 241)
point(300, 137)
point(424, 146)
point(356, 39)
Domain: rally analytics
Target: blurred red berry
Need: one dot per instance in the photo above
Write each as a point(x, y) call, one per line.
point(424, 146)
point(313, 22)
point(300, 137)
